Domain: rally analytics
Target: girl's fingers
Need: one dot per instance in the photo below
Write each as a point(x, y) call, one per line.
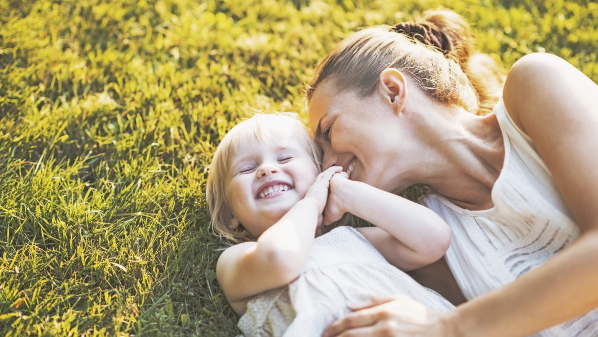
point(330, 172)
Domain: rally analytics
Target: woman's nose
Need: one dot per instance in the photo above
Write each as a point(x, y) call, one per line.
point(329, 159)
point(267, 169)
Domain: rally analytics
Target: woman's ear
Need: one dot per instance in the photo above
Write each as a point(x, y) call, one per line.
point(393, 87)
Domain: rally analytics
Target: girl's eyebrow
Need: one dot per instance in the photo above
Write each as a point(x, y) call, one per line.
point(250, 156)
point(235, 161)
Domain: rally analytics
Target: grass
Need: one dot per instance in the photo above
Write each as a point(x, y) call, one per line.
point(110, 112)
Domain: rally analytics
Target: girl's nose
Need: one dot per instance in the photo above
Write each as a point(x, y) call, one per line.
point(267, 169)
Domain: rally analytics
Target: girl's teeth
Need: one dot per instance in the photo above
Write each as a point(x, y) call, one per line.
point(274, 190)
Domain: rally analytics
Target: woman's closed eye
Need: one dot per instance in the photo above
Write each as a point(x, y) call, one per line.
point(328, 130)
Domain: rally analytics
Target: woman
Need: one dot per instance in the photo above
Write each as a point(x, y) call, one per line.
point(409, 104)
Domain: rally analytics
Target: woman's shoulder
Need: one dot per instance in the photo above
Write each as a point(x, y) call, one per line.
point(532, 68)
point(536, 83)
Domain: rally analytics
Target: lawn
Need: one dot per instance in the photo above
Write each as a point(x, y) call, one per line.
point(110, 112)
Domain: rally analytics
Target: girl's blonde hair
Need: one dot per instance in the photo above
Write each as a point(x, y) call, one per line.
point(437, 51)
point(257, 128)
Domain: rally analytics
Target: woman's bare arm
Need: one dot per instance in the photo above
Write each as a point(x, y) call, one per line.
point(557, 106)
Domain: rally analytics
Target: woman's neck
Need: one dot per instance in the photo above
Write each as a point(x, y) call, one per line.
point(463, 155)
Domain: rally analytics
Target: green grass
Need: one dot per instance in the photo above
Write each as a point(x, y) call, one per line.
point(111, 111)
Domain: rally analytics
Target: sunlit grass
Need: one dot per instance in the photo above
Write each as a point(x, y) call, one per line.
point(110, 112)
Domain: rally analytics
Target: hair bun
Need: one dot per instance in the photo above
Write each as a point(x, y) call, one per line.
point(427, 33)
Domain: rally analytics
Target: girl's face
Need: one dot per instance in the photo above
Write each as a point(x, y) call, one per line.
point(266, 179)
point(361, 135)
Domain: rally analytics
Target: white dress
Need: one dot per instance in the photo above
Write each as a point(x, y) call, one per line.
point(528, 225)
point(343, 270)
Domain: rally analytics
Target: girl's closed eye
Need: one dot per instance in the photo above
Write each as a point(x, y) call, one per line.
point(285, 158)
point(246, 169)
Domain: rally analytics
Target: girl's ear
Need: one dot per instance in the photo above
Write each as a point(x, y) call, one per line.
point(393, 87)
point(234, 223)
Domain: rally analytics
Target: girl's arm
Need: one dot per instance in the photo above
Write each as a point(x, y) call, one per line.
point(279, 254)
point(407, 234)
point(557, 107)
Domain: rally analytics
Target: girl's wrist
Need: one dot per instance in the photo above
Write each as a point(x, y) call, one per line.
point(312, 202)
point(346, 192)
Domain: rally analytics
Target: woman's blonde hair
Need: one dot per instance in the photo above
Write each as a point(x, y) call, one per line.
point(257, 128)
point(437, 51)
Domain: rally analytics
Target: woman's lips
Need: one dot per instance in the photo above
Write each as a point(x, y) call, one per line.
point(350, 166)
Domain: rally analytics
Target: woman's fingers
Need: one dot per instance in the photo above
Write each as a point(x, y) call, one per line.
point(398, 316)
point(359, 332)
point(353, 320)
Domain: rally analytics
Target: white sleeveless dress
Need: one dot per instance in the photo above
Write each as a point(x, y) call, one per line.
point(343, 270)
point(528, 225)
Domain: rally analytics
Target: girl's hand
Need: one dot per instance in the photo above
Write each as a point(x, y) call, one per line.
point(319, 189)
point(338, 194)
point(393, 316)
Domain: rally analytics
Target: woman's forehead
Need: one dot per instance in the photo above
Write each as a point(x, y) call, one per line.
point(327, 101)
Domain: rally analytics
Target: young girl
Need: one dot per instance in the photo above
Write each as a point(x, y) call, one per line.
point(265, 191)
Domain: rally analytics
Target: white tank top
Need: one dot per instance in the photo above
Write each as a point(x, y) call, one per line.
point(528, 225)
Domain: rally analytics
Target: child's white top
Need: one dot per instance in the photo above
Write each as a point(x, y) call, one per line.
point(343, 270)
point(528, 225)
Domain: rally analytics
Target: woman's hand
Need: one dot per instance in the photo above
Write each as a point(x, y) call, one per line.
point(392, 316)
point(335, 208)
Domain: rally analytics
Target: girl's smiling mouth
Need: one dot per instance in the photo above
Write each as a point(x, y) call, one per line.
point(273, 189)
